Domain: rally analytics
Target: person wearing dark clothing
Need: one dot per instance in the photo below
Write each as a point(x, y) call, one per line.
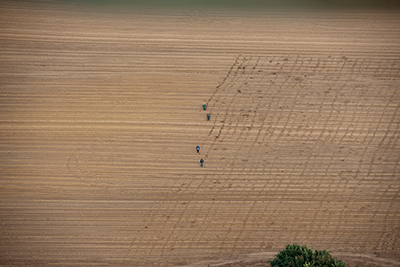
point(198, 149)
point(201, 162)
point(204, 106)
point(208, 117)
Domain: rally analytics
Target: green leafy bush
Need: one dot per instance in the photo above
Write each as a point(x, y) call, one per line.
point(296, 256)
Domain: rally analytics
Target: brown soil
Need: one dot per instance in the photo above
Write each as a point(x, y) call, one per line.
point(100, 114)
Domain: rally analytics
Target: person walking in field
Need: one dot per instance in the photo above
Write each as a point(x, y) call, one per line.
point(201, 162)
point(208, 116)
point(198, 149)
point(204, 106)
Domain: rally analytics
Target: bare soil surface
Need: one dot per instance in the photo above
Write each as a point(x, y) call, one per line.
point(100, 114)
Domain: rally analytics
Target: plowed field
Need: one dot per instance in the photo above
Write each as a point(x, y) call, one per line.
point(100, 115)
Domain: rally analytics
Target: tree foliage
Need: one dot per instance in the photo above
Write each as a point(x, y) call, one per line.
point(296, 256)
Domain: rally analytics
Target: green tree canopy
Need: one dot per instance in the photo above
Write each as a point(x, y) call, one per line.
point(297, 256)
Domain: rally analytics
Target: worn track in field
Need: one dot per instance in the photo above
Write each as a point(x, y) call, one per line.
point(100, 114)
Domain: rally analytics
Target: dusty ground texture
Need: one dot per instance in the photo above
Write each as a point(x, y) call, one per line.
point(100, 114)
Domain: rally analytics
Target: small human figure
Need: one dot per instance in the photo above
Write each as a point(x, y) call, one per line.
point(201, 162)
point(204, 106)
point(208, 116)
point(198, 149)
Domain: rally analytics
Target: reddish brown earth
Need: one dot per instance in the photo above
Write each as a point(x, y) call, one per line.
point(100, 114)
